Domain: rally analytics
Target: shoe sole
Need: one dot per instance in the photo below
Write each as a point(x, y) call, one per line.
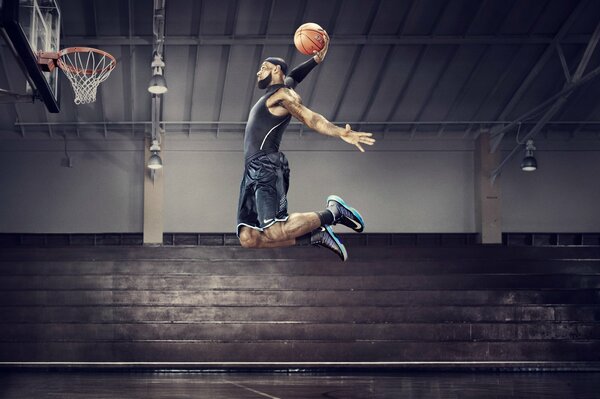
point(352, 210)
point(338, 242)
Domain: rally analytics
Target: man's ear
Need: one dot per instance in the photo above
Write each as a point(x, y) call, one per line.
point(278, 69)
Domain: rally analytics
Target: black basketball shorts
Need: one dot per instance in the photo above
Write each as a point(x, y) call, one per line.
point(263, 192)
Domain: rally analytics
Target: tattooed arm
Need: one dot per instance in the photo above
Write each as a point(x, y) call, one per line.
point(291, 101)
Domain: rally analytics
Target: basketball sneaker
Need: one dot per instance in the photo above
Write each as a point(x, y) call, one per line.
point(345, 214)
point(326, 238)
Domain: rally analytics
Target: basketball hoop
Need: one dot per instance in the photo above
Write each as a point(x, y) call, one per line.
point(85, 67)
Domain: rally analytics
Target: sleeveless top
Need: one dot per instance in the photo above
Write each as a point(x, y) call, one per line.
point(264, 130)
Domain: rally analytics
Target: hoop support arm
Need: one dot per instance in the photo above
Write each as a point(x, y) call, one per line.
point(47, 60)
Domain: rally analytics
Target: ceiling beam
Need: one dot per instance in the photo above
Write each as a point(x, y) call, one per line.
point(482, 6)
point(299, 19)
point(567, 89)
point(355, 59)
point(509, 68)
point(315, 83)
point(196, 62)
point(560, 37)
point(260, 51)
point(338, 40)
point(402, 92)
point(132, 71)
point(383, 68)
point(475, 68)
point(403, 89)
point(100, 90)
point(225, 59)
point(363, 122)
point(563, 62)
point(560, 101)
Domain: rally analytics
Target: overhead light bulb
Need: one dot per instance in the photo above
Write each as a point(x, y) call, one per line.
point(155, 162)
point(529, 163)
point(158, 83)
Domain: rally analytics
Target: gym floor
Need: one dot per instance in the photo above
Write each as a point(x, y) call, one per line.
point(27, 384)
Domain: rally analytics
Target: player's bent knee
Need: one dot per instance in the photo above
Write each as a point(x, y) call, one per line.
point(248, 239)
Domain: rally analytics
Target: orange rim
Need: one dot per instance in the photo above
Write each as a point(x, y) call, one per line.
point(72, 69)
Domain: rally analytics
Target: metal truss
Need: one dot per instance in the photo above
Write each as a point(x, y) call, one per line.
point(557, 100)
point(341, 40)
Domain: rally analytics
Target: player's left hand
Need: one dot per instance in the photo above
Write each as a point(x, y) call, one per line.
point(320, 55)
point(357, 138)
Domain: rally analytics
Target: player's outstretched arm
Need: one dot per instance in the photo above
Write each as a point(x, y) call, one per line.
point(292, 102)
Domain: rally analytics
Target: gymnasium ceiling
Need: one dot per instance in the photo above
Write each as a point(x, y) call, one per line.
point(409, 68)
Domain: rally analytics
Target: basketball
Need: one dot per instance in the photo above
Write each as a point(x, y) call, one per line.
point(309, 37)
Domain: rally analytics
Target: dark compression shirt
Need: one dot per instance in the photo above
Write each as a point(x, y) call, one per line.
point(265, 130)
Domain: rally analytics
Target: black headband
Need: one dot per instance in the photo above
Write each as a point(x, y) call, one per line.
point(278, 61)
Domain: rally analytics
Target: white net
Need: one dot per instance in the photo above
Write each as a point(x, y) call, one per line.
point(86, 68)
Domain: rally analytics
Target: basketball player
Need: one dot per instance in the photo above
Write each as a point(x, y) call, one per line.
point(263, 221)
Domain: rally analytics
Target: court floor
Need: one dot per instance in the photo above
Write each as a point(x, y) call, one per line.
point(28, 384)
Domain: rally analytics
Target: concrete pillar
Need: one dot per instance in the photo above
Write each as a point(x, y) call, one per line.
point(488, 204)
point(154, 183)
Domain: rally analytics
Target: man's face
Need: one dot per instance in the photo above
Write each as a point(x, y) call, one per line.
point(263, 76)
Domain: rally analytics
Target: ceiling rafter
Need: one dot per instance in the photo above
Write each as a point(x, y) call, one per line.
point(297, 22)
point(131, 59)
point(384, 66)
point(482, 6)
point(536, 110)
point(260, 51)
point(375, 89)
point(407, 81)
point(507, 70)
point(500, 83)
point(203, 127)
point(449, 58)
point(560, 101)
point(406, 123)
point(563, 62)
point(402, 93)
point(355, 59)
point(317, 73)
point(340, 40)
point(100, 98)
point(226, 56)
point(190, 110)
point(576, 94)
point(537, 68)
point(475, 68)
point(594, 111)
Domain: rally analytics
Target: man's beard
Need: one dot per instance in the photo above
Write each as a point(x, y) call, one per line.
point(262, 84)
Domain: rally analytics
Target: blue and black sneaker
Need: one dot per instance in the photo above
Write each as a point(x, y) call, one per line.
point(345, 214)
point(326, 238)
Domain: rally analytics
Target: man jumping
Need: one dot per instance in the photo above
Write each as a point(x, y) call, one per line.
point(263, 221)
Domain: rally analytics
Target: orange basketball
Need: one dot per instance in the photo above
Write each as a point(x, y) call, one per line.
point(309, 37)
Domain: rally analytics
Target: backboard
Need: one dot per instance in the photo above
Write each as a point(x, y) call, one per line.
point(31, 26)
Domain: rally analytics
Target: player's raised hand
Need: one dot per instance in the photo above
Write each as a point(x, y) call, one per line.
point(320, 55)
point(357, 138)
